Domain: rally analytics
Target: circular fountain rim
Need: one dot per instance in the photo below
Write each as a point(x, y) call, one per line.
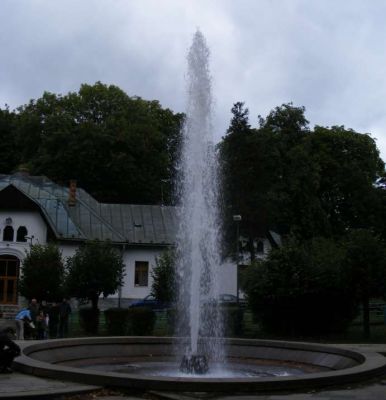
point(364, 365)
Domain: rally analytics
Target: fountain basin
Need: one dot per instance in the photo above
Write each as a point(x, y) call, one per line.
point(75, 360)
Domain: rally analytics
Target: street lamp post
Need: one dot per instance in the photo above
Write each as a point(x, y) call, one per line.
point(237, 219)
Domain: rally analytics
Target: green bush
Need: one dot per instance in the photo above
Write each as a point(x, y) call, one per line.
point(141, 321)
point(89, 320)
point(117, 321)
point(301, 290)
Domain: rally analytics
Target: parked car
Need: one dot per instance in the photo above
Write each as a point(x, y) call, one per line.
point(150, 302)
point(226, 298)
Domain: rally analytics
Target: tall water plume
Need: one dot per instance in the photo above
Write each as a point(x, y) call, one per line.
point(199, 229)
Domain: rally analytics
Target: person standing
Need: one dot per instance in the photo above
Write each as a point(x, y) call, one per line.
point(22, 316)
point(53, 315)
point(64, 314)
point(34, 310)
point(41, 326)
point(8, 350)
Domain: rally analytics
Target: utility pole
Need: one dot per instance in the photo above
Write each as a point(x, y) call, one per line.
point(237, 219)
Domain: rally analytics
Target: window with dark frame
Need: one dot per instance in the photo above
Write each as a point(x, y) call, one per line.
point(141, 274)
point(21, 234)
point(8, 234)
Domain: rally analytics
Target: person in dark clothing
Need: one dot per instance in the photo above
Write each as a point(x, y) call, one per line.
point(64, 314)
point(53, 320)
point(34, 309)
point(8, 350)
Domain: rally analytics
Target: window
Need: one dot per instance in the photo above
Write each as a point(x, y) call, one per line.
point(8, 234)
point(21, 234)
point(141, 277)
point(260, 246)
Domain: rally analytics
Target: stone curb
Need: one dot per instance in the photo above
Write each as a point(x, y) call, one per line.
point(368, 365)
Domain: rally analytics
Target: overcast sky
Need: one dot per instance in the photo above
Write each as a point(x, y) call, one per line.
point(326, 55)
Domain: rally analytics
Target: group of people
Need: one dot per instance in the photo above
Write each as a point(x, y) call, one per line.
point(43, 321)
point(38, 321)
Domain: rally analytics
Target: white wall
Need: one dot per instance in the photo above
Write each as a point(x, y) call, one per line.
point(228, 278)
point(37, 228)
point(32, 220)
point(129, 290)
point(68, 250)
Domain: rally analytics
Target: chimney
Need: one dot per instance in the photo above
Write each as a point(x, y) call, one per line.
point(72, 193)
point(22, 170)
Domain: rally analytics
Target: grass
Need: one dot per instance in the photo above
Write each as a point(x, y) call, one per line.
point(251, 329)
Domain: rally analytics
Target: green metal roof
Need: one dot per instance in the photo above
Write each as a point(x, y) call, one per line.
point(89, 219)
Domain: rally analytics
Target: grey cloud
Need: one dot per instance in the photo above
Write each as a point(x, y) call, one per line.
point(321, 54)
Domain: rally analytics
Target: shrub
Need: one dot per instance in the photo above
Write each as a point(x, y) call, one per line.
point(141, 321)
point(89, 320)
point(301, 290)
point(117, 321)
point(164, 278)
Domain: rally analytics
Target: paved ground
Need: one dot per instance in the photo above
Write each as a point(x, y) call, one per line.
point(20, 386)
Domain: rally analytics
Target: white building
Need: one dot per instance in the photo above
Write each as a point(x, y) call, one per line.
point(33, 210)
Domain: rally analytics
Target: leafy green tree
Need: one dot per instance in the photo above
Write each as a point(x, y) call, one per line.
point(298, 182)
point(248, 157)
point(301, 289)
point(365, 262)
point(164, 277)
point(348, 164)
point(96, 268)
point(119, 148)
point(42, 273)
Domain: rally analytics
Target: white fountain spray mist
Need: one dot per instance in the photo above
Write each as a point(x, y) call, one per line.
point(199, 222)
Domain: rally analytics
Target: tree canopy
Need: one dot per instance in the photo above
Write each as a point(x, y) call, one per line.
point(96, 268)
point(119, 148)
point(299, 182)
point(43, 273)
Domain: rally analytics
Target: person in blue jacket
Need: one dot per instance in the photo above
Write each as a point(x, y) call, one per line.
point(22, 316)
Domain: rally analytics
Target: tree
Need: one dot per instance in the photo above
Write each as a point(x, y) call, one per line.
point(164, 278)
point(119, 148)
point(285, 177)
point(42, 273)
point(252, 167)
point(365, 262)
point(96, 268)
point(348, 164)
point(301, 289)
